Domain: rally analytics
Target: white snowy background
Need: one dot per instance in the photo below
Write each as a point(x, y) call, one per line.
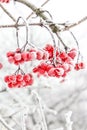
point(70, 95)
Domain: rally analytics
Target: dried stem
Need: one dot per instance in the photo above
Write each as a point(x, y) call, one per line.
point(76, 44)
point(65, 47)
point(8, 13)
point(18, 29)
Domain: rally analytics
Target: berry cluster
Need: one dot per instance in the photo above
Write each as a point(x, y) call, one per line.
point(64, 63)
point(19, 57)
point(52, 64)
point(5, 1)
point(79, 66)
point(50, 70)
point(19, 80)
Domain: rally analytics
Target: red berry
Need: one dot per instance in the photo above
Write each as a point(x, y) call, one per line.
point(45, 55)
point(81, 65)
point(49, 48)
point(59, 72)
point(51, 72)
point(77, 66)
point(72, 53)
point(25, 56)
point(63, 56)
point(6, 79)
point(6, 1)
point(35, 69)
point(1, 65)
point(31, 56)
point(41, 71)
point(26, 77)
point(32, 50)
point(17, 56)
point(11, 59)
point(39, 55)
point(31, 81)
point(19, 77)
point(10, 85)
point(10, 54)
point(12, 78)
point(49, 66)
point(18, 50)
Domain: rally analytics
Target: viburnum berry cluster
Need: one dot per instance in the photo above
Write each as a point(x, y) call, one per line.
point(50, 65)
point(19, 57)
point(64, 63)
point(5, 1)
point(19, 80)
point(53, 61)
point(79, 66)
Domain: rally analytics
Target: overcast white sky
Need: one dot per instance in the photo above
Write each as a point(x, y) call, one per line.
point(66, 9)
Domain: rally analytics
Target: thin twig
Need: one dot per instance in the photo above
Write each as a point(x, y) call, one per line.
point(64, 29)
point(43, 120)
point(75, 24)
point(18, 29)
point(5, 124)
point(45, 3)
point(77, 43)
point(41, 6)
point(8, 13)
point(24, 114)
point(20, 25)
point(65, 47)
point(68, 120)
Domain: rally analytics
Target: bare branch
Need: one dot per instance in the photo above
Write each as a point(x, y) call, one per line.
point(41, 6)
point(49, 24)
point(40, 13)
point(75, 24)
point(40, 110)
point(7, 13)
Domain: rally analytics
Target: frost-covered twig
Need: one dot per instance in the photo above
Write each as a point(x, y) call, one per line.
point(24, 115)
point(54, 112)
point(5, 124)
point(41, 6)
point(68, 120)
point(4, 9)
point(41, 113)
